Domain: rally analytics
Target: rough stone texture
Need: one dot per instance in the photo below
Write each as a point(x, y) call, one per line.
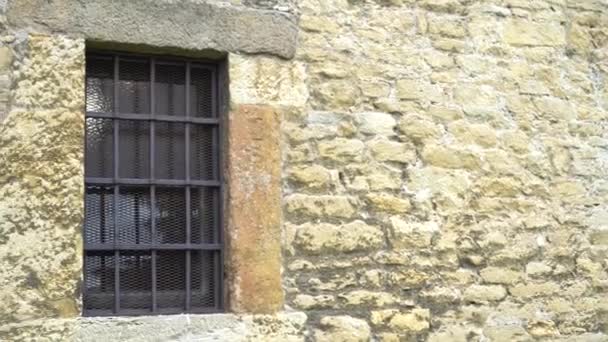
point(210, 25)
point(444, 167)
point(472, 135)
point(222, 327)
point(254, 240)
point(42, 182)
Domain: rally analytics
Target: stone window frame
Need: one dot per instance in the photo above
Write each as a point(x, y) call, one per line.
point(250, 162)
point(154, 62)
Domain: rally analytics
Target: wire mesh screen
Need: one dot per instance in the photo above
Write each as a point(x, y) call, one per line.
point(153, 242)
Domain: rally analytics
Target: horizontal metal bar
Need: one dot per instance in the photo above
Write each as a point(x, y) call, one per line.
point(149, 247)
point(160, 182)
point(140, 312)
point(156, 117)
point(203, 62)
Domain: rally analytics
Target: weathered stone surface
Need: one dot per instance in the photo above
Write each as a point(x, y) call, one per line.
point(418, 128)
point(527, 33)
point(42, 185)
point(47, 74)
point(324, 237)
point(483, 119)
point(387, 150)
point(315, 177)
point(6, 57)
point(483, 293)
point(282, 85)
point(202, 25)
point(409, 235)
point(534, 289)
point(416, 320)
point(217, 327)
point(450, 158)
point(321, 206)
point(368, 298)
point(376, 123)
point(341, 150)
point(470, 133)
point(254, 171)
point(389, 204)
point(343, 328)
point(499, 275)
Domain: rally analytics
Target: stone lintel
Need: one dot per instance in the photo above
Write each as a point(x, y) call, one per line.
point(254, 209)
point(190, 25)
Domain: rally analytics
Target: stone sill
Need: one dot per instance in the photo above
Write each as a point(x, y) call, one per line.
point(282, 326)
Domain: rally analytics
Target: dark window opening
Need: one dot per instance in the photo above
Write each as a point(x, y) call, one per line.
point(152, 233)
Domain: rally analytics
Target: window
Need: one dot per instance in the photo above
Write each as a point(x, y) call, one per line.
point(152, 230)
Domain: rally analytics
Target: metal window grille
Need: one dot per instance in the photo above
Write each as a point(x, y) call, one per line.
point(152, 233)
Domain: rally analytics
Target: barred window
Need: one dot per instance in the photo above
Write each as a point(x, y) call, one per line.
point(152, 232)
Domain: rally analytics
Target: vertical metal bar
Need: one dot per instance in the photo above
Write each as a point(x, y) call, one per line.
point(188, 192)
point(187, 89)
point(153, 222)
point(188, 252)
point(218, 107)
point(116, 189)
point(152, 177)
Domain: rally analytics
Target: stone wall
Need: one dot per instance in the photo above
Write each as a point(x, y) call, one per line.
point(447, 179)
point(444, 167)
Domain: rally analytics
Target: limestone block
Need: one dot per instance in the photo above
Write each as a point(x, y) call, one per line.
point(408, 235)
point(555, 109)
point(450, 6)
point(417, 89)
point(254, 220)
point(445, 113)
point(522, 32)
point(202, 25)
point(453, 333)
point(543, 328)
point(267, 81)
point(416, 320)
point(532, 290)
point(374, 89)
point(321, 206)
point(314, 177)
point(341, 149)
point(307, 302)
point(471, 133)
point(51, 75)
point(337, 94)
point(388, 203)
point(507, 332)
point(6, 57)
point(498, 187)
point(374, 123)
point(315, 23)
point(442, 295)
point(499, 275)
point(326, 238)
point(451, 158)
point(537, 269)
point(484, 293)
point(342, 328)
point(481, 101)
point(447, 27)
point(406, 279)
point(433, 181)
point(418, 128)
point(368, 298)
point(383, 149)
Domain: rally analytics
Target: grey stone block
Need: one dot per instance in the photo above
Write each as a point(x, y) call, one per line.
point(186, 24)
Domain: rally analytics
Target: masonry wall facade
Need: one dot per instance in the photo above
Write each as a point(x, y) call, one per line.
point(440, 167)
